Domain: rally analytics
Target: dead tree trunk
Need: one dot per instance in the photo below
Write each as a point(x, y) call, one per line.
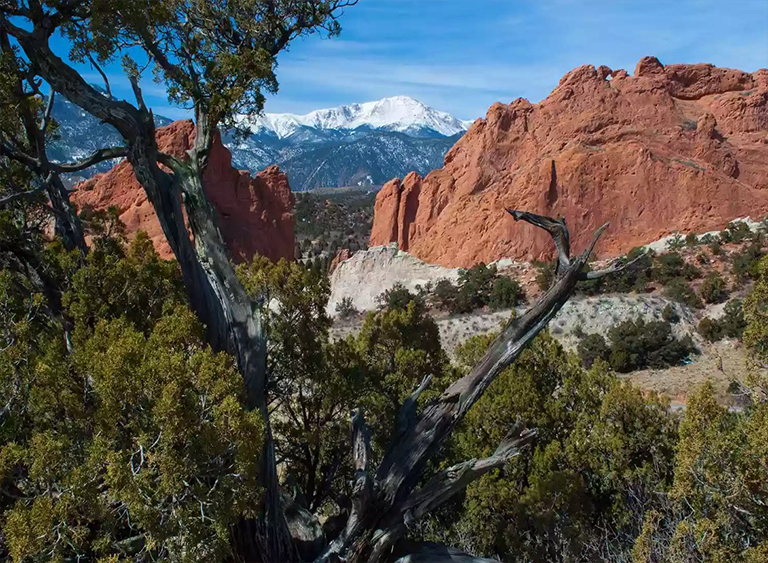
point(386, 500)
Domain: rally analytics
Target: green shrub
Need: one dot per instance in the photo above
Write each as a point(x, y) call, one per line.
point(713, 288)
point(449, 297)
point(691, 239)
point(669, 314)
point(478, 281)
point(730, 325)
point(732, 321)
point(506, 293)
point(444, 294)
point(639, 344)
point(715, 248)
point(744, 263)
point(709, 328)
point(346, 308)
point(591, 348)
point(736, 231)
point(679, 290)
point(397, 298)
point(671, 265)
point(545, 274)
point(676, 242)
point(634, 278)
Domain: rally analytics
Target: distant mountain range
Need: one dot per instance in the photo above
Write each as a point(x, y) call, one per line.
point(359, 144)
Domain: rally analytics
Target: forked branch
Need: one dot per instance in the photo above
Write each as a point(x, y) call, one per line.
point(377, 526)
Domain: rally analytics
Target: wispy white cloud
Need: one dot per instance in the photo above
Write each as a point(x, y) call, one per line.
point(461, 56)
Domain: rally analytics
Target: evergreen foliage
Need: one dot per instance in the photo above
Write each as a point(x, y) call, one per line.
point(136, 444)
point(634, 345)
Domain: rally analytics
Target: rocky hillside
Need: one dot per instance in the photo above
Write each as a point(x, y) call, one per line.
point(669, 148)
point(255, 213)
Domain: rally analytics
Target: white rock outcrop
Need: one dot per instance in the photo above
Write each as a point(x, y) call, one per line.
point(367, 274)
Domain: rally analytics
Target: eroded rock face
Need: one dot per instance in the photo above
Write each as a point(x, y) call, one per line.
point(368, 273)
point(255, 214)
point(671, 148)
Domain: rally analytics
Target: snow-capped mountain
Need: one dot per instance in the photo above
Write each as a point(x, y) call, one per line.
point(399, 113)
point(358, 144)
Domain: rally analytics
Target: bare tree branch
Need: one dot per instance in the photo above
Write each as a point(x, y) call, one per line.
point(95, 157)
point(95, 65)
point(557, 230)
point(407, 413)
point(616, 267)
point(47, 113)
point(100, 155)
point(448, 482)
point(23, 195)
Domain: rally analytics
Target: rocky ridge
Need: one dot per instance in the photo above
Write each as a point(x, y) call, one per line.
point(670, 148)
point(255, 213)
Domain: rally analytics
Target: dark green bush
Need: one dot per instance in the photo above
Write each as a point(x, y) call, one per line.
point(709, 328)
point(397, 298)
point(346, 308)
point(545, 274)
point(713, 288)
point(636, 344)
point(591, 348)
point(736, 231)
point(691, 239)
point(679, 290)
point(449, 297)
point(669, 314)
point(634, 278)
point(639, 344)
point(744, 263)
point(506, 293)
point(478, 286)
point(676, 242)
point(730, 325)
point(478, 280)
point(671, 265)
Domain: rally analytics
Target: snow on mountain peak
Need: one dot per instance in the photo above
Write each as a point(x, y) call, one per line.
point(398, 113)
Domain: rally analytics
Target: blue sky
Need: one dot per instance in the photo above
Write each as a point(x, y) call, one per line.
point(462, 56)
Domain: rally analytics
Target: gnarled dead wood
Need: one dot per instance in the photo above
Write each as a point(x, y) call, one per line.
point(376, 527)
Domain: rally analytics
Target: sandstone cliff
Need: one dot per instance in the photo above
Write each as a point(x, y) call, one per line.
point(255, 214)
point(670, 148)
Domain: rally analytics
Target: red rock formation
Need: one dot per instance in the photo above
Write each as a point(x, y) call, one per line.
point(675, 148)
point(255, 214)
